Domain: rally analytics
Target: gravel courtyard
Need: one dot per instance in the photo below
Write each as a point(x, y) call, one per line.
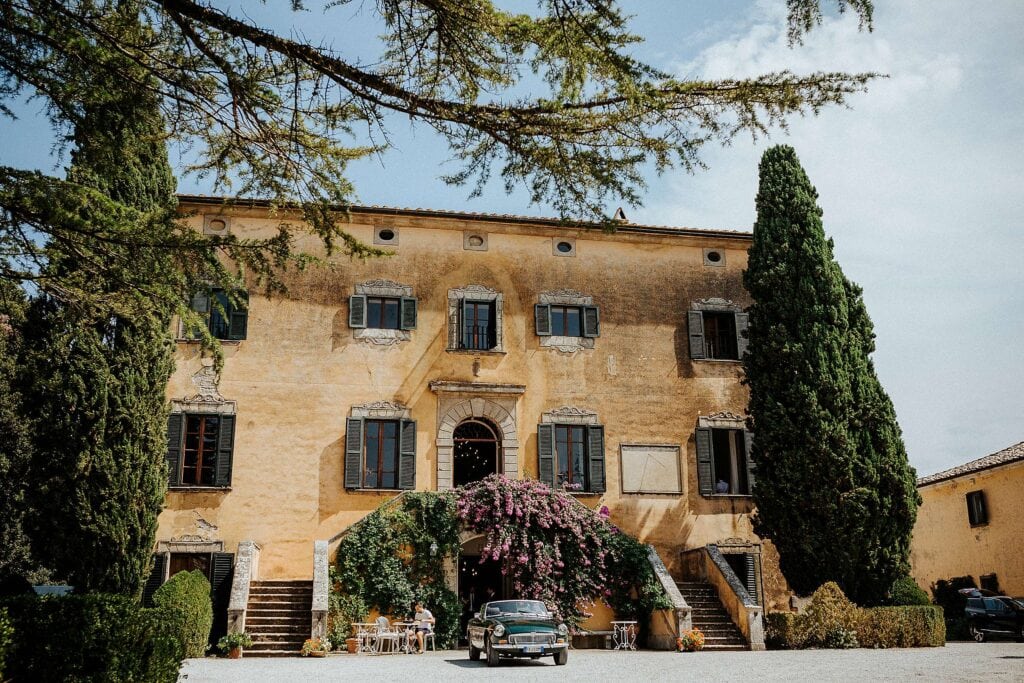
point(999, 661)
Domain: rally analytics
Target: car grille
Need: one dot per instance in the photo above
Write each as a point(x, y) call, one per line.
point(532, 639)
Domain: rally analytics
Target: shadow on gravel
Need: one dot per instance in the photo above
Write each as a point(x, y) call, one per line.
point(512, 663)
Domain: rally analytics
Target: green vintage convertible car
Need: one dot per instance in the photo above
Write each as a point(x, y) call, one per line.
point(516, 628)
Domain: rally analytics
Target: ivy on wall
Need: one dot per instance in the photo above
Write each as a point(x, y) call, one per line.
point(550, 546)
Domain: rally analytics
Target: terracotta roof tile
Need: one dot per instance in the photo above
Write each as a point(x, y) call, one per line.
point(1007, 455)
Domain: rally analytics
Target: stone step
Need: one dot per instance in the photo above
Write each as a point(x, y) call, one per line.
point(277, 628)
point(271, 653)
point(280, 604)
point(277, 613)
point(259, 619)
point(277, 642)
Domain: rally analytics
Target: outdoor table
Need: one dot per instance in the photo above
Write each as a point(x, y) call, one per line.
point(404, 627)
point(624, 635)
point(364, 634)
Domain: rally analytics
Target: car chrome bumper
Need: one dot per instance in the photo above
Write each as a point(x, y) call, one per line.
point(525, 651)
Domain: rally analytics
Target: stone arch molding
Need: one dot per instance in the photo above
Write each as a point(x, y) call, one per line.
point(476, 407)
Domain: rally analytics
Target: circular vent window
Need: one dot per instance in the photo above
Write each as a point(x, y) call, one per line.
point(714, 256)
point(387, 235)
point(217, 225)
point(476, 241)
point(564, 247)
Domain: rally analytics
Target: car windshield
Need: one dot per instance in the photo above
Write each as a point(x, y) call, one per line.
point(517, 607)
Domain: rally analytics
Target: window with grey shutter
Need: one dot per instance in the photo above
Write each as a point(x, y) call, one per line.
point(546, 453)
point(751, 577)
point(238, 318)
point(357, 311)
point(155, 579)
point(225, 451)
point(174, 438)
point(591, 322)
point(222, 570)
point(408, 314)
point(748, 442)
point(742, 322)
point(542, 314)
point(695, 320)
point(354, 453)
point(705, 476)
point(407, 455)
point(595, 456)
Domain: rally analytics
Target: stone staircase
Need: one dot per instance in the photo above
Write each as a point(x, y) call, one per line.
point(720, 633)
point(278, 617)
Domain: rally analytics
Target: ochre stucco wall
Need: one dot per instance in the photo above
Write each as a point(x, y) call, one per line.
point(946, 545)
point(300, 370)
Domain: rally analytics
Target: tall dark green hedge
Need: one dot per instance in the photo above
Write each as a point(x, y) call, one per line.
point(834, 491)
point(186, 600)
point(91, 638)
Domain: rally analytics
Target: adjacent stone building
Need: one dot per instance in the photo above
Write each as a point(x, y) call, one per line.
point(971, 523)
point(603, 362)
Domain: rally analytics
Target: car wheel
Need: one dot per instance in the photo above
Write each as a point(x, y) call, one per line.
point(978, 635)
point(492, 656)
point(474, 654)
point(562, 657)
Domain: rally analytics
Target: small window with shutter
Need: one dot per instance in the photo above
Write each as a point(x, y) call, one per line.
point(724, 467)
point(382, 312)
point(225, 316)
point(717, 334)
point(571, 456)
point(200, 450)
point(567, 321)
point(380, 454)
point(977, 513)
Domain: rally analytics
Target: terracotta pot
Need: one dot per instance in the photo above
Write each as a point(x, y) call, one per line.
point(235, 653)
point(317, 653)
point(352, 644)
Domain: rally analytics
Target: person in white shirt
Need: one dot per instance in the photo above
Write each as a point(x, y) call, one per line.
point(424, 624)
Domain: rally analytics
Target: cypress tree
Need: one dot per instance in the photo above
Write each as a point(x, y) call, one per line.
point(97, 375)
point(834, 491)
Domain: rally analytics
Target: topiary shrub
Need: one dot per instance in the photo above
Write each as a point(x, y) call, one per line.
point(908, 626)
point(831, 619)
point(186, 598)
point(93, 637)
point(905, 591)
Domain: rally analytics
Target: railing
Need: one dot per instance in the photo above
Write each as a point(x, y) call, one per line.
point(321, 589)
point(681, 619)
point(246, 570)
point(741, 606)
point(477, 337)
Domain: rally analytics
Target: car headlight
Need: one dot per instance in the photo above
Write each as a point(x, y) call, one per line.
point(499, 630)
point(563, 629)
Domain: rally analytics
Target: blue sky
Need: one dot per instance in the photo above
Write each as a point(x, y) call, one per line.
point(921, 181)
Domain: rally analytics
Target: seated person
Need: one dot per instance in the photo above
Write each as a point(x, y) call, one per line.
point(423, 624)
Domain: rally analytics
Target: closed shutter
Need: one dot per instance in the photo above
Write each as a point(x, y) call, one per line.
point(200, 302)
point(408, 315)
point(357, 311)
point(751, 578)
point(748, 442)
point(175, 422)
point(705, 481)
point(742, 321)
point(225, 451)
point(222, 569)
point(238, 318)
point(155, 580)
point(407, 455)
point(542, 314)
point(354, 453)
point(546, 453)
point(591, 322)
point(696, 324)
point(595, 456)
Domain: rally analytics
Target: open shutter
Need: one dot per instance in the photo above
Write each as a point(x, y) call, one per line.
point(225, 451)
point(407, 455)
point(175, 422)
point(591, 322)
point(357, 311)
point(238, 318)
point(222, 569)
point(354, 453)
point(696, 324)
point(748, 441)
point(751, 586)
point(542, 314)
point(742, 320)
point(465, 334)
point(408, 313)
point(595, 456)
point(705, 480)
point(200, 302)
point(155, 579)
point(546, 453)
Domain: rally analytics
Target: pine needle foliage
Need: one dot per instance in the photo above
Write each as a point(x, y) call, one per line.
point(834, 491)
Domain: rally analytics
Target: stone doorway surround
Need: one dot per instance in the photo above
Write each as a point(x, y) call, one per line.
point(457, 401)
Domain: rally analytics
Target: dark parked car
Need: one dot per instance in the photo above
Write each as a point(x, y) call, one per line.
point(517, 628)
point(994, 616)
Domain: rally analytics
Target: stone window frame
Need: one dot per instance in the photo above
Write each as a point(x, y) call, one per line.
point(730, 421)
point(468, 235)
point(567, 415)
point(474, 292)
point(380, 410)
point(566, 297)
point(719, 305)
point(376, 336)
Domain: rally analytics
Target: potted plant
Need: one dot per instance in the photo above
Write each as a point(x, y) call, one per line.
point(233, 643)
point(316, 647)
point(690, 641)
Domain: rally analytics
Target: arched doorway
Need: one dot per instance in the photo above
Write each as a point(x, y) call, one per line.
point(476, 453)
point(478, 579)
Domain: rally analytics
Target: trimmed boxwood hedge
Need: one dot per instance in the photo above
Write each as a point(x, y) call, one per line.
point(186, 598)
point(91, 637)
